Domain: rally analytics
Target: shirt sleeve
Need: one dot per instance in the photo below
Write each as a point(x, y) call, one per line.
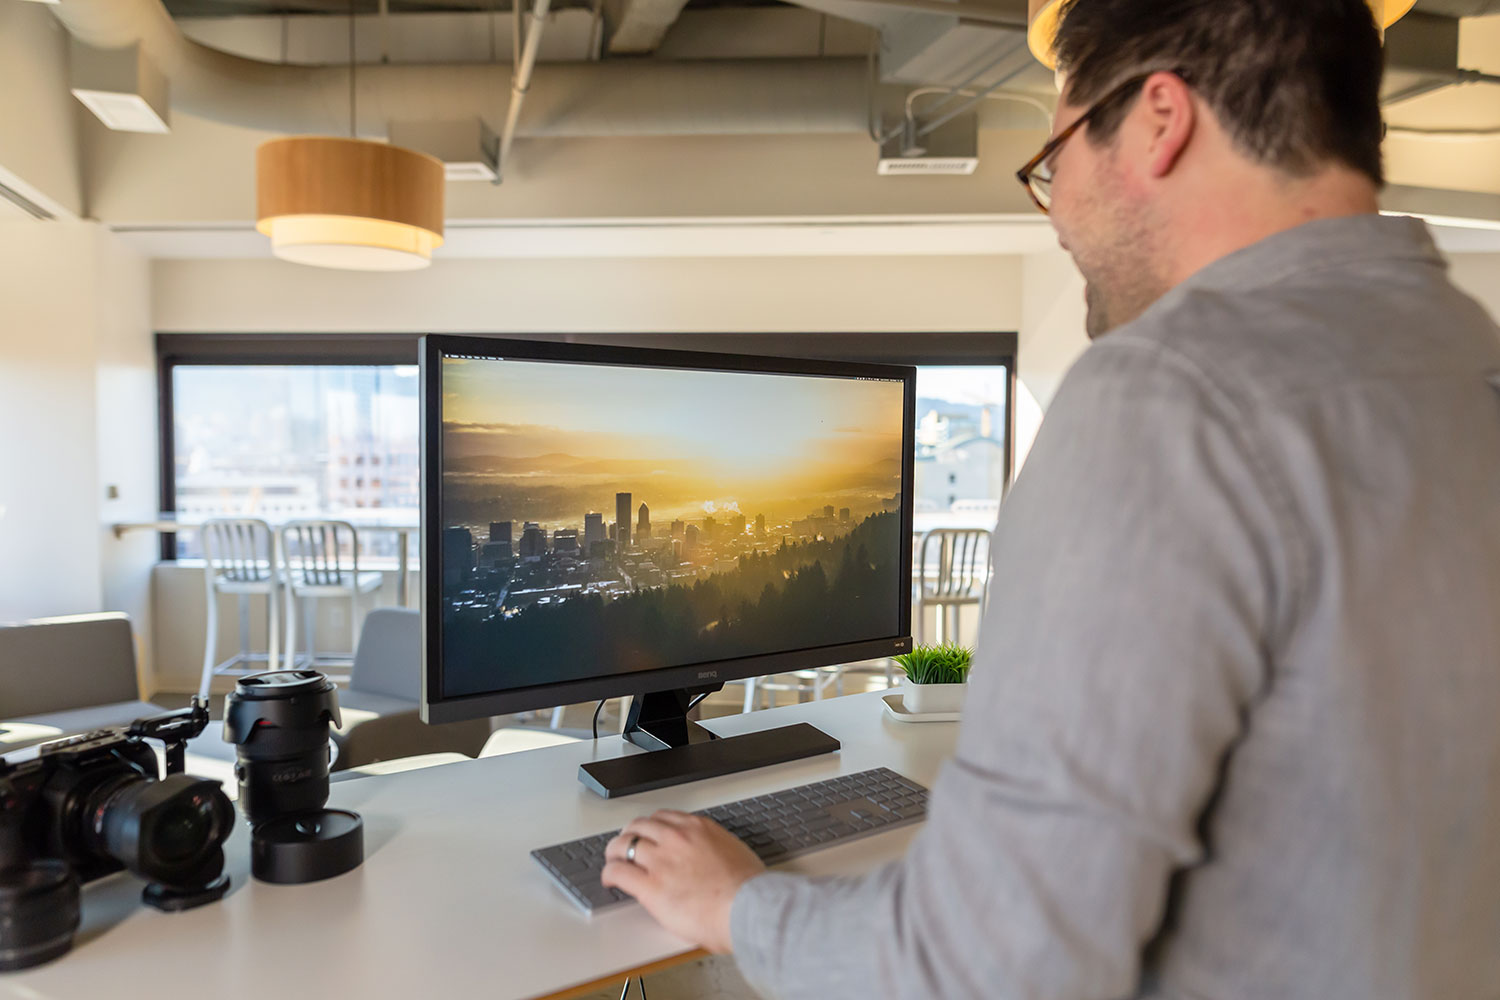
point(1136, 582)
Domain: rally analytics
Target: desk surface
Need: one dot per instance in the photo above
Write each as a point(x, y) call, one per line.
point(448, 902)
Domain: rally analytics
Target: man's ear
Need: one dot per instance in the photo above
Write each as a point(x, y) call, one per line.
point(1171, 117)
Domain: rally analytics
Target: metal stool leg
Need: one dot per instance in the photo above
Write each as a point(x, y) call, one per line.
point(310, 620)
point(244, 609)
point(273, 628)
point(211, 639)
point(291, 629)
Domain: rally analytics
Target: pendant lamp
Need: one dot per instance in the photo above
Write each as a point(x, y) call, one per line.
point(1042, 18)
point(349, 203)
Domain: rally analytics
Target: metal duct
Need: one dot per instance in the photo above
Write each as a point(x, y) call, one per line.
point(728, 97)
point(1459, 8)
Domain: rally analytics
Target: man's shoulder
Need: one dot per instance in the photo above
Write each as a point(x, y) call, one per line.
point(1312, 334)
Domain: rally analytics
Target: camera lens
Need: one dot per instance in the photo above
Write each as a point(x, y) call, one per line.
point(183, 829)
point(279, 721)
point(169, 831)
point(38, 913)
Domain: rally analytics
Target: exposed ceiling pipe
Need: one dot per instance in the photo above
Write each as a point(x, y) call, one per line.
point(629, 97)
point(982, 13)
point(521, 81)
point(1452, 79)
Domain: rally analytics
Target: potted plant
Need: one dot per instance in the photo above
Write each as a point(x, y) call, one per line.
point(935, 677)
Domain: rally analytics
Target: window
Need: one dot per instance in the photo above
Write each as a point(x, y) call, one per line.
point(285, 426)
point(963, 451)
point(274, 440)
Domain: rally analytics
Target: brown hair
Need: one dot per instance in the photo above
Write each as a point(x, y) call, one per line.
point(1295, 83)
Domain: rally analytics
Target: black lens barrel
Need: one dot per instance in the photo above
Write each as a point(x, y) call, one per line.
point(279, 721)
point(169, 831)
point(39, 913)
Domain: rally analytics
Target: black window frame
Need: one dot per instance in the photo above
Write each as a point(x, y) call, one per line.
point(919, 349)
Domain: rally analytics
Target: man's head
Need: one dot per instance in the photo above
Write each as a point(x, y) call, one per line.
point(1210, 124)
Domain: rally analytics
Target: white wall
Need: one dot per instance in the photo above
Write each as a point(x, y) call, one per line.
point(77, 410)
point(1479, 275)
point(126, 432)
point(1052, 337)
point(711, 294)
point(39, 148)
point(49, 473)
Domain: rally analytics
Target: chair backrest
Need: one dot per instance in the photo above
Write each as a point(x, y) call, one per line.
point(58, 664)
point(954, 563)
point(320, 552)
point(239, 549)
point(388, 660)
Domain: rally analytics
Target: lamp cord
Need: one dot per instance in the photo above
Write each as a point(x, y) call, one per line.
point(352, 133)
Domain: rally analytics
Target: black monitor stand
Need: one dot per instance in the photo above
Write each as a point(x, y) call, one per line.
point(682, 750)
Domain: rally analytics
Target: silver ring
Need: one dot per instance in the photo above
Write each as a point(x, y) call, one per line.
point(630, 851)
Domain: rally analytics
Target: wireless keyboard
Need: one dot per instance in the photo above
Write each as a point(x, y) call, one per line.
point(777, 827)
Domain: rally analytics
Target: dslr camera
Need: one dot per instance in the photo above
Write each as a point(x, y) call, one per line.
point(90, 805)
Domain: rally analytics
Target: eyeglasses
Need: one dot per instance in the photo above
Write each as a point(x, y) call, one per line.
point(1036, 176)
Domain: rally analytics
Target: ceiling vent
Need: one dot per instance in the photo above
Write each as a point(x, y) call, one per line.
point(469, 149)
point(950, 149)
point(121, 87)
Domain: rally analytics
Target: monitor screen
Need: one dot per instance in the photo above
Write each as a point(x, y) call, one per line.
point(605, 521)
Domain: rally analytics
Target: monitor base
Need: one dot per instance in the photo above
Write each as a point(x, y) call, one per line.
point(684, 751)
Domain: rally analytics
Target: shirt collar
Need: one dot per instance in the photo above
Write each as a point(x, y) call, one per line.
point(1320, 245)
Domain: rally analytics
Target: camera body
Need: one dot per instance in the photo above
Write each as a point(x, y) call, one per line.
point(90, 805)
point(55, 807)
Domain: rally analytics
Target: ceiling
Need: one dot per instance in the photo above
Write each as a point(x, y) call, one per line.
point(277, 8)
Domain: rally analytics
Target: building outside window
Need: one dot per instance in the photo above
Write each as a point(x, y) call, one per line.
point(286, 441)
point(960, 439)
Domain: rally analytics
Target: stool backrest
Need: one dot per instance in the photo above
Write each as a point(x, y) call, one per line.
point(389, 658)
point(320, 553)
point(239, 549)
point(954, 563)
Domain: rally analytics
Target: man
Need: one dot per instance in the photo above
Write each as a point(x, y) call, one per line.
point(1233, 732)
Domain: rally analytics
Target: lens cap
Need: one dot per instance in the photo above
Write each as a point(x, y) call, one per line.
point(307, 847)
point(38, 913)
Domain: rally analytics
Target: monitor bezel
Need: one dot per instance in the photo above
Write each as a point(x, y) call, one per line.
point(435, 708)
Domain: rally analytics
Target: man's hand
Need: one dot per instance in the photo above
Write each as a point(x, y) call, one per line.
point(685, 873)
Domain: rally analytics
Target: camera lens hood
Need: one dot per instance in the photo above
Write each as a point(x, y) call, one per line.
point(39, 913)
point(291, 701)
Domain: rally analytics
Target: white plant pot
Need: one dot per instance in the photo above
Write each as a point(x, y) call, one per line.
point(923, 698)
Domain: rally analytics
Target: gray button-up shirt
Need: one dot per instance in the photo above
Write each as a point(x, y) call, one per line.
point(1234, 726)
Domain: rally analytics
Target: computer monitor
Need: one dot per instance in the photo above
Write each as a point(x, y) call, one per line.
point(604, 521)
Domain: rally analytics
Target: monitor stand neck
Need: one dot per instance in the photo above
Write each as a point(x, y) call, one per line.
point(658, 721)
point(683, 751)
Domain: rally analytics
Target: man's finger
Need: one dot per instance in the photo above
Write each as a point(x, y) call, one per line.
point(675, 819)
point(651, 828)
point(616, 849)
point(627, 878)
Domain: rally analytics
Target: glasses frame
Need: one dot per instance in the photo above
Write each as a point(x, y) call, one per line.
point(1029, 171)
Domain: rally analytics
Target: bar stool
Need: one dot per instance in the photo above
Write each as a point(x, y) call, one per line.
point(239, 557)
point(315, 567)
point(955, 574)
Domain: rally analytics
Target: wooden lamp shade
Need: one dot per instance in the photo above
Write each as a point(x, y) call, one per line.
point(1042, 18)
point(349, 203)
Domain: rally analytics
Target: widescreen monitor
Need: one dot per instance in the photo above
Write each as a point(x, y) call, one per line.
point(606, 521)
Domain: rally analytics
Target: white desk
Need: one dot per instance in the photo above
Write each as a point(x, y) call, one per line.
point(402, 523)
point(448, 903)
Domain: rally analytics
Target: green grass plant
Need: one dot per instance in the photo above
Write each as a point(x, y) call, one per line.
point(945, 664)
